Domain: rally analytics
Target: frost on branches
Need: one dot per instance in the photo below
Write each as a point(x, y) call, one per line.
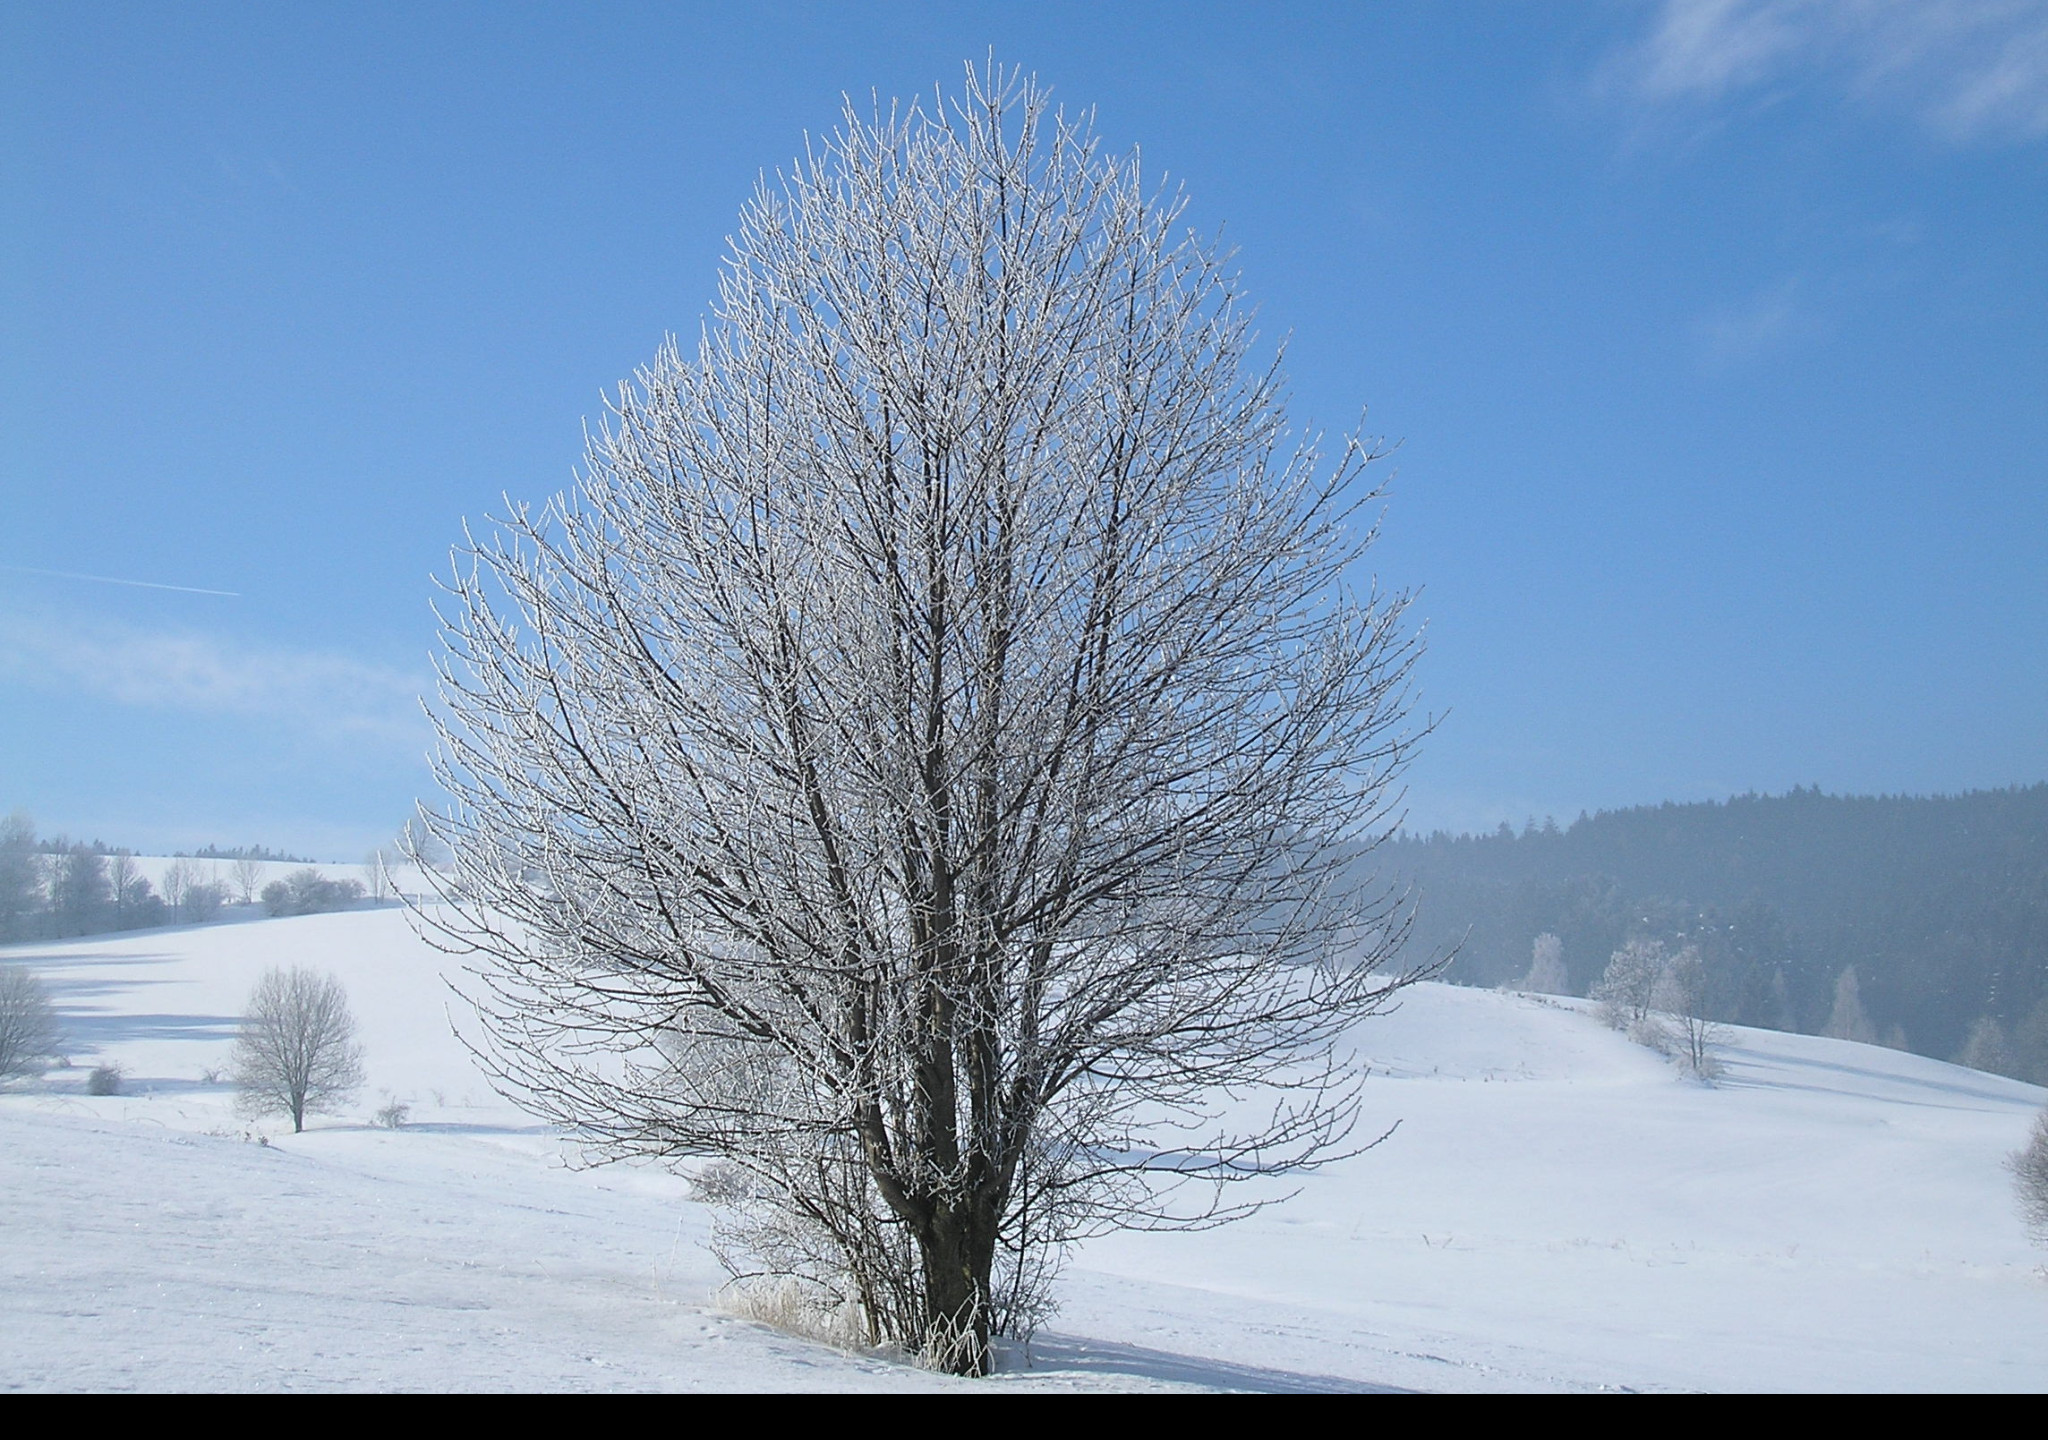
point(924, 762)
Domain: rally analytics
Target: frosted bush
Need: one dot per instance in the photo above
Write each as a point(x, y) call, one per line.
point(2030, 1175)
point(1628, 988)
point(28, 1024)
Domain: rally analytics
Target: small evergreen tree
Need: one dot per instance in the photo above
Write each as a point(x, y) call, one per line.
point(1986, 1048)
point(1546, 968)
point(1848, 1020)
point(2030, 1046)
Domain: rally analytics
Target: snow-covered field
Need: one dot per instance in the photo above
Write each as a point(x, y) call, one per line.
point(1557, 1209)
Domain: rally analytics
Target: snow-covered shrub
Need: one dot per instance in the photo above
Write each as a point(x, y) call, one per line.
point(1650, 1032)
point(203, 902)
point(28, 1024)
point(307, 892)
point(1627, 991)
point(393, 1114)
point(2030, 1176)
point(105, 1079)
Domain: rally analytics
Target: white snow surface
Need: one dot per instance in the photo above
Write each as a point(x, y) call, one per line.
point(1556, 1209)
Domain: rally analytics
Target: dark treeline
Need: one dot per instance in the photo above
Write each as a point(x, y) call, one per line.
point(242, 852)
point(1934, 909)
point(64, 845)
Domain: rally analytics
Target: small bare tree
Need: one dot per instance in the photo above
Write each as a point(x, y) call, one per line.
point(1683, 995)
point(247, 875)
point(377, 875)
point(192, 891)
point(125, 883)
point(926, 762)
point(28, 1023)
point(178, 879)
point(296, 1053)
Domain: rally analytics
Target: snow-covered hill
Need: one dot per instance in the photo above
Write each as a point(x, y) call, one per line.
point(1557, 1209)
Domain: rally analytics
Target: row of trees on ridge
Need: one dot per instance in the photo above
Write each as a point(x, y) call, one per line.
point(50, 888)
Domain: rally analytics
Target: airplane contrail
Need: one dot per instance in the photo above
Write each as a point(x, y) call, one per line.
point(111, 580)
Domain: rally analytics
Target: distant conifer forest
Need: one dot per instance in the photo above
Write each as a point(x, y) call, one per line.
point(1917, 922)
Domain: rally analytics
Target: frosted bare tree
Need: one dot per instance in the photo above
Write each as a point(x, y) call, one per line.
point(922, 762)
point(377, 874)
point(127, 886)
point(1628, 989)
point(178, 879)
point(296, 1052)
point(247, 877)
point(1684, 994)
point(28, 1023)
point(2030, 1178)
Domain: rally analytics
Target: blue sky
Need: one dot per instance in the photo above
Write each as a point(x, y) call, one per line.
point(1715, 336)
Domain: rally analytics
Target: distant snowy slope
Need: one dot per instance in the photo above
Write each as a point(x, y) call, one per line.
point(1557, 1209)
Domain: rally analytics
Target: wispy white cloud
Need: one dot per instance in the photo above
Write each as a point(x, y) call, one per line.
point(325, 695)
point(1765, 322)
point(115, 580)
point(1970, 69)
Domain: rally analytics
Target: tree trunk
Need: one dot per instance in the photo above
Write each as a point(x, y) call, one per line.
point(958, 1257)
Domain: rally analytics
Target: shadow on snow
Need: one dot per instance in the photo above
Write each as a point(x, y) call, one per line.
point(1050, 1352)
